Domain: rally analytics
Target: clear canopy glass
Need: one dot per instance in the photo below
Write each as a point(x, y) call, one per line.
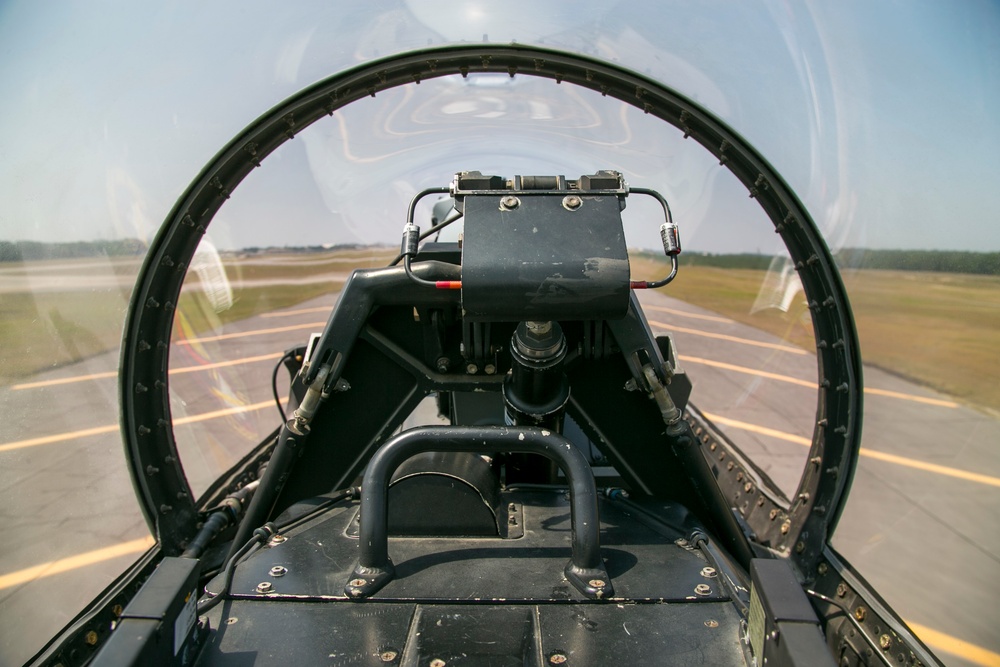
point(881, 119)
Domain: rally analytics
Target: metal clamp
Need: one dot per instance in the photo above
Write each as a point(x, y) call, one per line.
point(374, 570)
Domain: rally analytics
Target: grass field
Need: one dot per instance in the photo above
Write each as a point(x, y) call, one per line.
point(940, 330)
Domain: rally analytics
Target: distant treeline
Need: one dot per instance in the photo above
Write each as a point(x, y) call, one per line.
point(17, 251)
point(944, 261)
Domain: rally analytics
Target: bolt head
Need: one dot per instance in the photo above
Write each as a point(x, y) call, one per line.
point(509, 202)
point(860, 613)
point(597, 583)
point(490, 369)
point(822, 569)
point(708, 572)
point(786, 526)
point(841, 590)
point(278, 571)
point(265, 587)
point(387, 656)
point(557, 658)
point(472, 369)
point(572, 202)
point(90, 638)
point(703, 589)
point(885, 641)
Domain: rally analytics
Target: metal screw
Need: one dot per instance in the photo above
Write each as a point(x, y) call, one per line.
point(822, 568)
point(748, 487)
point(442, 364)
point(729, 466)
point(774, 514)
point(711, 623)
point(785, 526)
point(278, 571)
point(557, 658)
point(117, 610)
point(885, 641)
point(703, 589)
point(91, 638)
point(841, 590)
point(800, 547)
point(472, 369)
point(597, 583)
point(760, 501)
point(356, 583)
point(265, 587)
point(713, 446)
point(572, 202)
point(278, 539)
point(509, 202)
point(231, 620)
point(708, 572)
point(438, 662)
point(490, 369)
point(739, 476)
point(387, 656)
point(860, 613)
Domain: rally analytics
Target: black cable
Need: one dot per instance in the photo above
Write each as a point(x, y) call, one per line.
point(353, 493)
point(850, 617)
point(414, 277)
point(670, 237)
point(274, 383)
point(436, 229)
point(260, 536)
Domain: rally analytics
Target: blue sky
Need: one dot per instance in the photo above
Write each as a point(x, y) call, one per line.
point(882, 116)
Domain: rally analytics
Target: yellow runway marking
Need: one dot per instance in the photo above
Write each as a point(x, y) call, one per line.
point(731, 339)
point(256, 332)
point(74, 562)
point(301, 311)
point(870, 453)
point(812, 385)
point(173, 371)
point(112, 428)
point(682, 313)
point(939, 641)
point(747, 371)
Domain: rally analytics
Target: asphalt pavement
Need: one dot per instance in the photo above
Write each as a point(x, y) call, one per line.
point(921, 524)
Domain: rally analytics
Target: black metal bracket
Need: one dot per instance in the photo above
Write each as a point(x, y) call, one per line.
point(374, 570)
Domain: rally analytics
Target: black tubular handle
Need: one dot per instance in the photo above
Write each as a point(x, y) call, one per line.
point(374, 569)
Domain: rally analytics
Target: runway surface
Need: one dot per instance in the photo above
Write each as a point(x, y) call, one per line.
point(922, 524)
